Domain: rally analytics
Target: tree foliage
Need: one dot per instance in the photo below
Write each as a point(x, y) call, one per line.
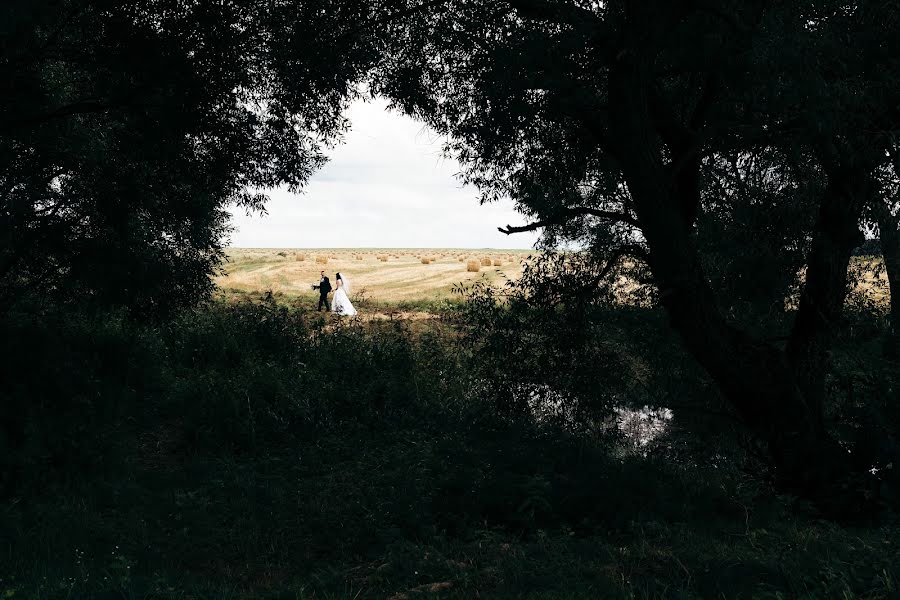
point(129, 127)
point(720, 149)
point(704, 141)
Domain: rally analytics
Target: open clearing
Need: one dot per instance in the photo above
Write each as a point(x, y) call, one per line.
point(402, 277)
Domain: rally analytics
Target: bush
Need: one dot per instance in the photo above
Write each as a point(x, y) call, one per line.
point(395, 455)
point(234, 377)
point(68, 382)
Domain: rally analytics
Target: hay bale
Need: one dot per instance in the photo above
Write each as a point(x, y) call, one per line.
point(460, 258)
point(485, 262)
point(322, 260)
point(425, 261)
point(473, 266)
point(498, 262)
point(359, 257)
point(299, 257)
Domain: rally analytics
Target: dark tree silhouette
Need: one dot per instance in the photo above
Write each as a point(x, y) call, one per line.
point(126, 128)
point(657, 131)
point(603, 120)
point(886, 215)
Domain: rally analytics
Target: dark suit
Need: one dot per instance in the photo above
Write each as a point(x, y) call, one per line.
point(324, 287)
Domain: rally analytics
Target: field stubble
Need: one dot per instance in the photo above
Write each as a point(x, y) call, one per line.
point(416, 278)
point(408, 275)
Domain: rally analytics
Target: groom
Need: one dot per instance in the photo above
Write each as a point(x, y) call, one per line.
point(324, 287)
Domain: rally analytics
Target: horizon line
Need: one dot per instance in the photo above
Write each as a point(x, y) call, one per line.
point(376, 248)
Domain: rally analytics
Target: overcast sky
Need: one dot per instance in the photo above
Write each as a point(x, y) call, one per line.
point(386, 186)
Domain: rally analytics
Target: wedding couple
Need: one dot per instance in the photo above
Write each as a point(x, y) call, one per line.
point(341, 302)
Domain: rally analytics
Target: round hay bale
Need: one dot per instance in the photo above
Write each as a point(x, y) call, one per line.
point(473, 266)
point(498, 262)
point(485, 262)
point(426, 261)
point(299, 257)
point(322, 260)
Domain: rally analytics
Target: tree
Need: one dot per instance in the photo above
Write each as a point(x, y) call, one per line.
point(128, 127)
point(756, 217)
point(596, 118)
point(886, 216)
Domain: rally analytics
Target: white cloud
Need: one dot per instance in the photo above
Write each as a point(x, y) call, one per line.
point(386, 186)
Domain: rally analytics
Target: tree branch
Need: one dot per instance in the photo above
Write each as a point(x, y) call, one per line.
point(684, 145)
point(618, 254)
point(76, 108)
point(570, 214)
point(632, 250)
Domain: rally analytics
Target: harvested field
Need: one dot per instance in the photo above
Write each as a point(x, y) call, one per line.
point(399, 275)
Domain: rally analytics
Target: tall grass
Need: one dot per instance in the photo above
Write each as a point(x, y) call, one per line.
point(254, 450)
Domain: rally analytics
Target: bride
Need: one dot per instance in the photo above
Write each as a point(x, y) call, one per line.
point(340, 305)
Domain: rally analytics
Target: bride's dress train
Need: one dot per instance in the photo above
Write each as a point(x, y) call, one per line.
point(340, 304)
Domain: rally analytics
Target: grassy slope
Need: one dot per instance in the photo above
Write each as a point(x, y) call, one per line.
point(362, 514)
point(234, 478)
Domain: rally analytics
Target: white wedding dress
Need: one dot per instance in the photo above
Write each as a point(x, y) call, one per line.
point(340, 304)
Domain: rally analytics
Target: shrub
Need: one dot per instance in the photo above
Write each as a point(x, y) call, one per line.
point(67, 382)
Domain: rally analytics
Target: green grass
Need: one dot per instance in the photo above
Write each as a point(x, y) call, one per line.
point(361, 514)
point(255, 451)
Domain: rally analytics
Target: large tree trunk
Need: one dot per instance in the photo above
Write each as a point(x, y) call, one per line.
point(889, 230)
point(754, 376)
point(824, 291)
